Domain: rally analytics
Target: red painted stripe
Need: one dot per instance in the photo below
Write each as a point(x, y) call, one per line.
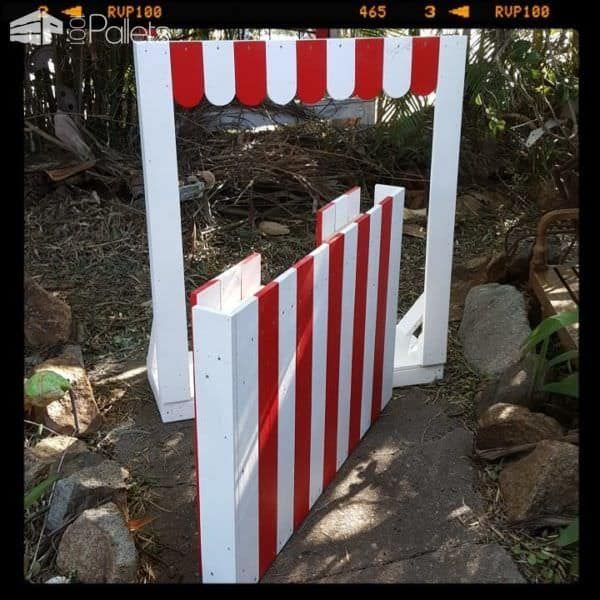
point(268, 372)
point(194, 294)
point(369, 68)
point(250, 59)
point(382, 284)
point(304, 343)
point(360, 310)
point(312, 69)
point(334, 326)
point(319, 227)
point(425, 58)
point(187, 73)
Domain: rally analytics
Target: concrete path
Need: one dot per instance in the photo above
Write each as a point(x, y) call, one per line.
point(399, 509)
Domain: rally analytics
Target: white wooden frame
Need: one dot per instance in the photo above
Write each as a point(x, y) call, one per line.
point(170, 370)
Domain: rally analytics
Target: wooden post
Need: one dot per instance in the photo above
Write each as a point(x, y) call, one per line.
point(168, 357)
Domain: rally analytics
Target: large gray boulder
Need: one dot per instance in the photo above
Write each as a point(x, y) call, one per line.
point(98, 548)
point(493, 327)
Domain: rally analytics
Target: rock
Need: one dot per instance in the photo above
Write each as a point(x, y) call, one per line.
point(545, 482)
point(505, 425)
point(512, 387)
point(47, 318)
point(87, 488)
point(58, 579)
point(494, 327)
point(415, 199)
point(58, 415)
point(476, 271)
point(272, 228)
point(415, 216)
point(45, 458)
point(98, 548)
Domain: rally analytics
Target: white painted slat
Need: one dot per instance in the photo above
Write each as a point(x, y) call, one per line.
point(328, 223)
point(246, 419)
point(210, 296)
point(353, 203)
point(397, 65)
point(370, 315)
point(341, 56)
point(231, 287)
point(219, 71)
point(281, 70)
point(171, 384)
point(442, 197)
point(213, 375)
point(341, 212)
point(346, 341)
point(250, 275)
point(287, 406)
point(397, 193)
point(319, 354)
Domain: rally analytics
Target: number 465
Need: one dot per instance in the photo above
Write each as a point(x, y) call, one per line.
point(373, 12)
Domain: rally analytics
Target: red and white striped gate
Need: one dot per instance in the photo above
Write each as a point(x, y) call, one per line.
point(286, 378)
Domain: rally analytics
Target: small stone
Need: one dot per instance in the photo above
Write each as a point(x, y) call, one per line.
point(47, 318)
point(98, 548)
point(543, 483)
point(272, 228)
point(493, 328)
point(505, 425)
point(58, 415)
point(86, 488)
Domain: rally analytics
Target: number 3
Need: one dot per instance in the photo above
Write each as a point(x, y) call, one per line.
point(429, 11)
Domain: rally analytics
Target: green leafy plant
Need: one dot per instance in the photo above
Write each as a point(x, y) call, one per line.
point(540, 336)
point(38, 491)
point(569, 535)
point(44, 387)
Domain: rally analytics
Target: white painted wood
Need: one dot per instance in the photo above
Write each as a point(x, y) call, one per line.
point(250, 276)
point(245, 318)
point(287, 406)
point(319, 363)
point(397, 193)
point(341, 212)
point(370, 315)
point(417, 375)
point(397, 65)
point(413, 317)
point(327, 223)
point(219, 71)
point(341, 55)
point(169, 368)
point(215, 424)
point(346, 340)
point(442, 197)
point(353, 203)
point(281, 70)
point(231, 287)
point(210, 296)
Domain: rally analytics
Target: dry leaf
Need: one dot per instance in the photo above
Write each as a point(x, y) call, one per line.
point(272, 228)
point(136, 524)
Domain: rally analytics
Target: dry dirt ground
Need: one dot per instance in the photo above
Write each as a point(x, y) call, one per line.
point(93, 251)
